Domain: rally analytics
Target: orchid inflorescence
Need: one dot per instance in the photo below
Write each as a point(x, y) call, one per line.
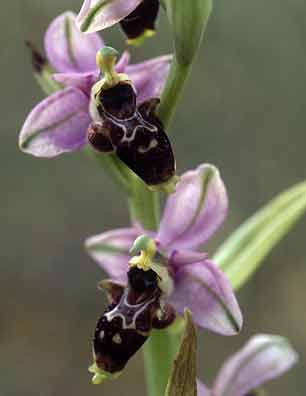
point(156, 269)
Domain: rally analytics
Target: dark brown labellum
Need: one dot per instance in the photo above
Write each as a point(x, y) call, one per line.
point(126, 324)
point(142, 282)
point(141, 19)
point(114, 342)
point(118, 101)
point(134, 133)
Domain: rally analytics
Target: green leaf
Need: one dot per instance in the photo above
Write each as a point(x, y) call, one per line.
point(144, 204)
point(244, 251)
point(182, 381)
point(159, 352)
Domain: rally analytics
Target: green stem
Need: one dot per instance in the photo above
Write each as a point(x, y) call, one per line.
point(159, 353)
point(173, 90)
point(118, 171)
point(144, 204)
point(160, 349)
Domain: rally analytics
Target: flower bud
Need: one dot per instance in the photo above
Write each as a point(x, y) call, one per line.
point(188, 20)
point(140, 24)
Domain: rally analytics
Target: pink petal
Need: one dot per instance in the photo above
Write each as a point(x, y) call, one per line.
point(67, 49)
point(202, 389)
point(149, 77)
point(263, 358)
point(123, 62)
point(195, 211)
point(185, 257)
point(110, 250)
point(56, 125)
point(205, 290)
point(97, 15)
point(82, 81)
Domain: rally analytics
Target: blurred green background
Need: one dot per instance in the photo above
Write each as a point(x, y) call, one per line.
point(243, 110)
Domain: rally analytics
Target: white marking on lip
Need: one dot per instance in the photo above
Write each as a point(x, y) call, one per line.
point(117, 339)
point(138, 309)
point(153, 143)
point(120, 123)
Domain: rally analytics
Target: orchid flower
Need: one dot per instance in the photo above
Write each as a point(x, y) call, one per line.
point(136, 17)
point(58, 124)
point(191, 216)
point(262, 359)
point(132, 132)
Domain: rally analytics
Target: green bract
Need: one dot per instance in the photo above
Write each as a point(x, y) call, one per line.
point(182, 380)
point(188, 20)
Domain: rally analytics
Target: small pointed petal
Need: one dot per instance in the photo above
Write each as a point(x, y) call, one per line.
point(82, 81)
point(111, 251)
point(263, 358)
point(149, 77)
point(67, 49)
point(202, 389)
point(123, 62)
point(56, 125)
point(185, 257)
point(140, 24)
point(204, 289)
point(97, 15)
point(195, 211)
